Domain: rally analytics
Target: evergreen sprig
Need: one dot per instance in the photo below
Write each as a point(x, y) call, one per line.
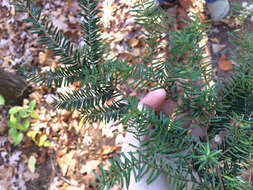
point(85, 64)
point(223, 160)
point(92, 40)
point(50, 36)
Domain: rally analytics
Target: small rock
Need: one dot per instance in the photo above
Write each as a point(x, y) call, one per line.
point(217, 139)
point(217, 47)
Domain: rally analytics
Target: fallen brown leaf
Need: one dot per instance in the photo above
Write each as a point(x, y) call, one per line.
point(106, 150)
point(60, 22)
point(182, 17)
point(36, 95)
point(3, 125)
point(89, 166)
point(69, 187)
point(186, 4)
point(43, 57)
point(133, 42)
point(5, 175)
point(65, 162)
point(224, 63)
point(30, 176)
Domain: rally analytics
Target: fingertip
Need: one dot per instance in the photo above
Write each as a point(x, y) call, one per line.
point(153, 99)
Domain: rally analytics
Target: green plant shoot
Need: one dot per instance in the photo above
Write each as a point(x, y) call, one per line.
point(19, 120)
point(2, 101)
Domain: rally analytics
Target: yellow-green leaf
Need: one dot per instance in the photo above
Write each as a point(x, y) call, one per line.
point(15, 109)
point(17, 138)
point(32, 104)
point(31, 164)
point(34, 115)
point(13, 122)
point(2, 102)
point(47, 144)
point(25, 125)
point(43, 139)
point(32, 134)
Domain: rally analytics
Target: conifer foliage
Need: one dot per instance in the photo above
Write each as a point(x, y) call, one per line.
point(221, 160)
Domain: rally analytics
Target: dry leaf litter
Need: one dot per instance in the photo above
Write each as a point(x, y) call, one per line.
point(77, 147)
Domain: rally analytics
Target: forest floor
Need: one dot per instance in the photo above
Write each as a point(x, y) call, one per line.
point(77, 147)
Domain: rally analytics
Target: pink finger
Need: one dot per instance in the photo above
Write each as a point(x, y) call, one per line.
point(153, 99)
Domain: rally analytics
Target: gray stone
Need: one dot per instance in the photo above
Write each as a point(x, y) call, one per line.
point(217, 48)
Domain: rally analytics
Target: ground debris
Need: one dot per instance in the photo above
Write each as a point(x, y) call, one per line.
point(77, 147)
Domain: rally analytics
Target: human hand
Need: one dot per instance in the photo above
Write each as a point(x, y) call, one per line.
point(155, 100)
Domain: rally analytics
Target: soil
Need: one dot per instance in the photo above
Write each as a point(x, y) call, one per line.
point(222, 34)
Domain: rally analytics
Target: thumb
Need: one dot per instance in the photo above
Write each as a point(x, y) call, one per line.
point(153, 99)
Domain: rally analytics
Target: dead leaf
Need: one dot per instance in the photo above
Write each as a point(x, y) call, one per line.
point(182, 17)
point(60, 23)
point(30, 176)
point(119, 139)
point(3, 125)
point(65, 162)
point(186, 4)
point(43, 155)
point(224, 63)
point(62, 151)
point(14, 158)
point(87, 140)
point(107, 165)
point(3, 140)
point(43, 57)
point(106, 149)
point(133, 42)
point(5, 175)
point(89, 166)
point(71, 187)
point(88, 179)
point(36, 95)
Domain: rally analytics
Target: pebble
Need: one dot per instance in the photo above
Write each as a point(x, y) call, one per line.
point(217, 48)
